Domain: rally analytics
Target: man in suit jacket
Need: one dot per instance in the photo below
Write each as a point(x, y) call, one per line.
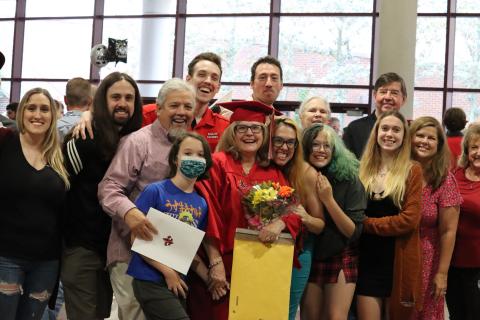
point(389, 93)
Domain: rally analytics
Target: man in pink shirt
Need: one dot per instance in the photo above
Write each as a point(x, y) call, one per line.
point(141, 158)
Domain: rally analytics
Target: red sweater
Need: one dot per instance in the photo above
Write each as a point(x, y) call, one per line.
point(467, 246)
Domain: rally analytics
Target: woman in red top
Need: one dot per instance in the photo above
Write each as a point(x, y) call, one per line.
point(241, 162)
point(463, 294)
point(440, 208)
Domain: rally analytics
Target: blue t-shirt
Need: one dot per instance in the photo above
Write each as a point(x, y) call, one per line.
point(165, 196)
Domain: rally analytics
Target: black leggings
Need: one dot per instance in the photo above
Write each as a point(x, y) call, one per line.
point(463, 293)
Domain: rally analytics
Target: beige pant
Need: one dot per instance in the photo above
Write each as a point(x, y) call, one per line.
point(128, 306)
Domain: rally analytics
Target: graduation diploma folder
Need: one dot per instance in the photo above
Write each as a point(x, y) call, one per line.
point(261, 275)
point(175, 245)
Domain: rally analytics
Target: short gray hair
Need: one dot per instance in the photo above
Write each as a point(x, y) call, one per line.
point(301, 109)
point(174, 84)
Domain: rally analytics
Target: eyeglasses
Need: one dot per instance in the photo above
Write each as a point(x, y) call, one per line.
point(241, 128)
point(318, 146)
point(394, 93)
point(279, 142)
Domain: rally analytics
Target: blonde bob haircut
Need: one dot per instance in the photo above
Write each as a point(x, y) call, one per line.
point(395, 180)
point(437, 170)
point(227, 144)
point(296, 167)
point(471, 134)
point(51, 151)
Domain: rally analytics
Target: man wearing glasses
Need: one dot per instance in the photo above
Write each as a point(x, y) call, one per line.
point(389, 93)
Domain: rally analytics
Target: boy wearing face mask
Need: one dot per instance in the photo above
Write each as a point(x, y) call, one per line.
point(160, 290)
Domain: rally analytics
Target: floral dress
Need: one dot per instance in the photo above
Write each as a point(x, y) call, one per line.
point(447, 195)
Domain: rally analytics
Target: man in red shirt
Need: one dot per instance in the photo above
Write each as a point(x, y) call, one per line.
point(204, 73)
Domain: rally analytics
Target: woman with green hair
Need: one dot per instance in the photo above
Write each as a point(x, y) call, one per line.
point(334, 268)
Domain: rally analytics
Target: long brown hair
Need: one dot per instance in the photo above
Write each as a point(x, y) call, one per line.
point(437, 170)
point(109, 135)
point(51, 150)
point(296, 167)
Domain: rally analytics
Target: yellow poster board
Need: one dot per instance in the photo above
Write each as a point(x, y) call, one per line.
point(261, 275)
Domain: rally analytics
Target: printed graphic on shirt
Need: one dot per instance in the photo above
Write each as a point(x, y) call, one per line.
point(166, 197)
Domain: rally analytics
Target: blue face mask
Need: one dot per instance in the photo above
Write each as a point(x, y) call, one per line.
point(192, 167)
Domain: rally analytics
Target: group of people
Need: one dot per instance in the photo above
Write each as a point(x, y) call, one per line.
point(385, 218)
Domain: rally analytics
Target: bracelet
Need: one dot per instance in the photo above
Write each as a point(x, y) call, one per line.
point(215, 263)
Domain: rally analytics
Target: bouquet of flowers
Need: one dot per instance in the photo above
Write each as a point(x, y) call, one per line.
point(267, 201)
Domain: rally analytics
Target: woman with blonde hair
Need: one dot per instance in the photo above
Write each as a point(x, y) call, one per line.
point(32, 205)
point(389, 273)
point(288, 156)
point(440, 209)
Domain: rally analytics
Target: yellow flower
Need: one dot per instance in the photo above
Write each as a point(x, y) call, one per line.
point(270, 194)
point(263, 195)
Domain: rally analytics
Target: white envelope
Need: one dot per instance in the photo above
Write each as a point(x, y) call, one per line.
point(175, 245)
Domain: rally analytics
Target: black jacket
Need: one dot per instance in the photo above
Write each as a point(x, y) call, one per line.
point(356, 134)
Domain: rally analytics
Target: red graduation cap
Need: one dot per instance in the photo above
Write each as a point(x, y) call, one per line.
point(249, 111)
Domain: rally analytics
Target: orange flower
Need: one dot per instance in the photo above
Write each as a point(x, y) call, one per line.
point(276, 185)
point(285, 191)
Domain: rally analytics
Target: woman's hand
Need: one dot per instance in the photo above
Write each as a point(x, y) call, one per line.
point(324, 188)
point(439, 285)
point(217, 281)
point(84, 123)
point(175, 283)
point(271, 231)
point(300, 211)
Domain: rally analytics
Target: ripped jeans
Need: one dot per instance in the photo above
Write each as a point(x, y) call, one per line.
point(25, 287)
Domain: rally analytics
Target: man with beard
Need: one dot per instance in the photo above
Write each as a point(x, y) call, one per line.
point(142, 158)
point(117, 112)
point(389, 93)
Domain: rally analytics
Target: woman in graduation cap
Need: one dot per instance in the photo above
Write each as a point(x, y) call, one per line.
point(241, 161)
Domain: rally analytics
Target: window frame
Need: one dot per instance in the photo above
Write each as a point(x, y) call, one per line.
point(181, 16)
point(448, 89)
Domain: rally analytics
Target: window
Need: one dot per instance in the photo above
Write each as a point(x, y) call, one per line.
point(59, 55)
point(447, 58)
point(325, 47)
point(7, 8)
point(239, 41)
